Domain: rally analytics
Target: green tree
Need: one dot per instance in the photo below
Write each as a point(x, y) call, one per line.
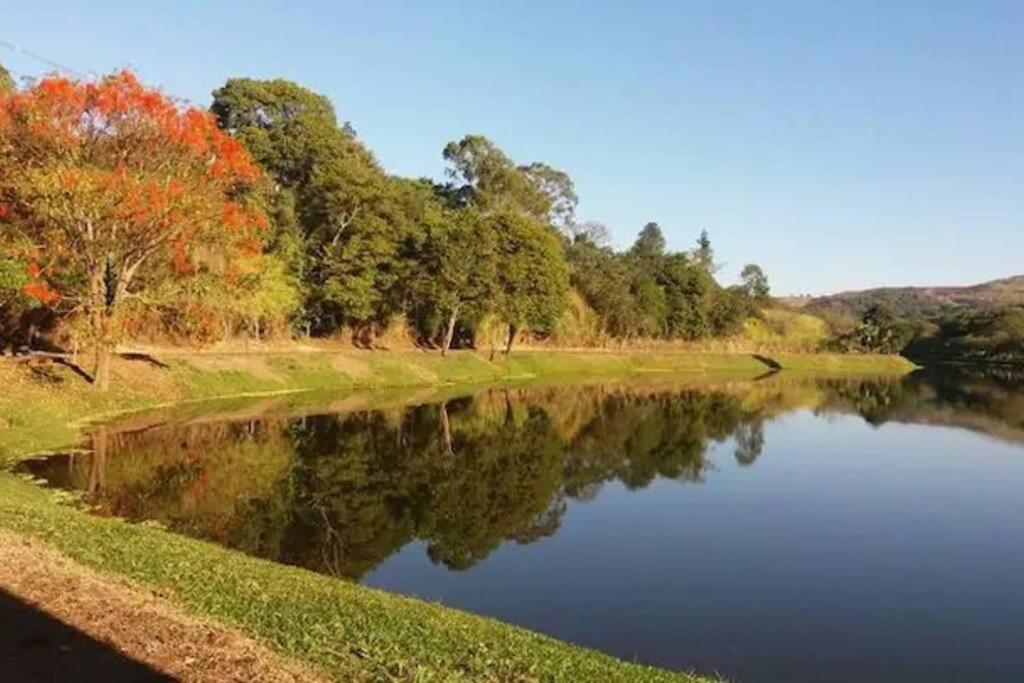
point(485, 177)
point(688, 290)
point(603, 279)
point(704, 255)
point(289, 130)
point(651, 303)
point(879, 331)
point(649, 244)
point(755, 282)
point(558, 187)
point(459, 267)
point(345, 221)
point(533, 279)
point(13, 278)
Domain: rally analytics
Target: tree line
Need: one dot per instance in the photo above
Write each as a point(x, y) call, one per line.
point(124, 214)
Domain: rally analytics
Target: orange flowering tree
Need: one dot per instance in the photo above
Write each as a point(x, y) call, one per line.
point(113, 189)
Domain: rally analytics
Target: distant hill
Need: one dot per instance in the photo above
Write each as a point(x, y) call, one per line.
point(923, 302)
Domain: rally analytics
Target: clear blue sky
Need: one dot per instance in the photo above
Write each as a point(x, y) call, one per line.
point(839, 144)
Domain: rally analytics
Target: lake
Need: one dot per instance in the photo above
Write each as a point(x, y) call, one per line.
point(778, 529)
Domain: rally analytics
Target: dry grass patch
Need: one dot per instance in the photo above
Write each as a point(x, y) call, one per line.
point(136, 622)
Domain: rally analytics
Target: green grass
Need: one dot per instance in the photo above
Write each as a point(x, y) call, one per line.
point(38, 415)
point(351, 631)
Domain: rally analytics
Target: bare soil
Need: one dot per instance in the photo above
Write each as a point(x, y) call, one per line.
point(73, 621)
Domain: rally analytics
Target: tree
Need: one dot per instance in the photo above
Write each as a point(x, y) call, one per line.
point(704, 254)
point(593, 231)
point(118, 190)
point(459, 267)
point(879, 331)
point(603, 279)
point(345, 217)
point(650, 243)
point(15, 276)
point(287, 129)
point(485, 177)
point(688, 290)
point(559, 189)
point(533, 280)
point(755, 282)
point(353, 239)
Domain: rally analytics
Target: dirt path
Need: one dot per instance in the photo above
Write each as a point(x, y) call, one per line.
point(60, 621)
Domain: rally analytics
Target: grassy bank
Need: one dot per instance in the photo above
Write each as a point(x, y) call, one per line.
point(355, 633)
point(45, 408)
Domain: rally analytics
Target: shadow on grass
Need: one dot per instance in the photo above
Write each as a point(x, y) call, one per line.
point(38, 647)
point(770, 362)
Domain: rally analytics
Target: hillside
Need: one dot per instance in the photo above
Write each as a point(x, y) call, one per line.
point(924, 302)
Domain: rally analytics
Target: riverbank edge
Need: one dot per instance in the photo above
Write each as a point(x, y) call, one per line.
point(43, 409)
point(353, 632)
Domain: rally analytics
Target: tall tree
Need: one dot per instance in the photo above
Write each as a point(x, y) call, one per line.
point(594, 232)
point(704, 254)
point(118, 189)
point(650, 243)
point(287, 129)
point(458, 268)
point(485, 177)
point(533, 279)
point(351, 216)
point(755, 282)
point(558, 187)
point(603, 278)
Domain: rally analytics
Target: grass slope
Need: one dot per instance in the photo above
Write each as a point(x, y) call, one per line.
point(45, 408)
point(354, 632)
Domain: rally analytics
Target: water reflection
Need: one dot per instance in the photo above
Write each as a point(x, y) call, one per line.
point(340, 492)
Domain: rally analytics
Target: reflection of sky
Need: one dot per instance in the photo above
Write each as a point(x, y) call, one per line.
point(846, 551)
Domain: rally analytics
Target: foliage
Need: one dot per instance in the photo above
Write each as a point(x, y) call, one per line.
point(483, 176)
point(650, 292)
point(532, 278)
point(14, 277)
point(988, 335)
point(344, 219)
point(603, 278)
point(346, 247)
point(119, 190)
point(879, 331)
point(755, 282)
point(778, 328)
point(458, 269)
point(7, 83)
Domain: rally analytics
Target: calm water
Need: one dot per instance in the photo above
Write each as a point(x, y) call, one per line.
point(771, 530)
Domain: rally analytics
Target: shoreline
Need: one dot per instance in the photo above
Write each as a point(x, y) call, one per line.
point(350, 631)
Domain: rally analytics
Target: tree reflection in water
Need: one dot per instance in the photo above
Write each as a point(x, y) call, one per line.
point(339, 493)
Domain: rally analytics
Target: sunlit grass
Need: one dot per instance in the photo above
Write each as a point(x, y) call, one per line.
point(355, 633)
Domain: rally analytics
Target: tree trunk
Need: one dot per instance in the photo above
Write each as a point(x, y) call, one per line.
point(99, 309)
point(512, 329)
point(98, 464)
point(101, 377)
point(450, 331)
point(446, 430)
